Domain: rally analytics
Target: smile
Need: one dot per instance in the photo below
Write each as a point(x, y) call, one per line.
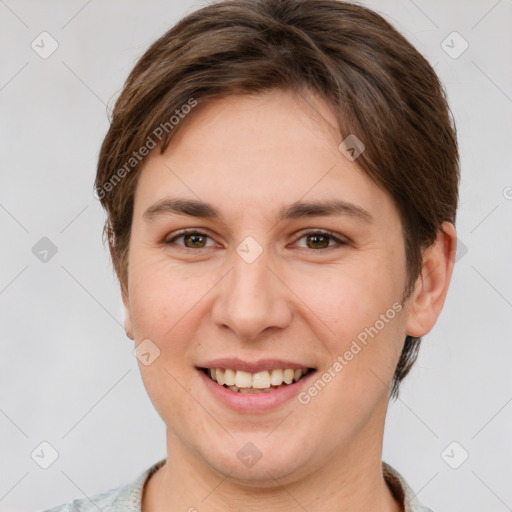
point(265, 381)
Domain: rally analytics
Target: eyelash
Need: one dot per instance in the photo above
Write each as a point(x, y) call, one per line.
point(183, 233)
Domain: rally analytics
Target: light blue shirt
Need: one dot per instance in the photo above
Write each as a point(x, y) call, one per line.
point(128, 497)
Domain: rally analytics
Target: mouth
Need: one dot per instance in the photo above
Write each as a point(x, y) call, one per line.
point(265, 381)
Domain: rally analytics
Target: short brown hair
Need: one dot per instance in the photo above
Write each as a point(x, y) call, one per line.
point(379, 86)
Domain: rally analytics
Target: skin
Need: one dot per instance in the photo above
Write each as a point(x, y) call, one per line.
point(249, 156)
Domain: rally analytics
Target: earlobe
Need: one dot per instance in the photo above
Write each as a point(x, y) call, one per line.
point(431, 287)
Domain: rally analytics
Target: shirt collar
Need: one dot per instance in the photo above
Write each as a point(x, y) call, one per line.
point(401, 490)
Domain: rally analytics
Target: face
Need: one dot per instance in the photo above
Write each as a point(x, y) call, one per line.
point(263, 285)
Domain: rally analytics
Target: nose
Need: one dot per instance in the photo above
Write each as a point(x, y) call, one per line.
point(252, 299)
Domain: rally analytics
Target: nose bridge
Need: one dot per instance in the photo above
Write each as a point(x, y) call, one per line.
point(251, 297)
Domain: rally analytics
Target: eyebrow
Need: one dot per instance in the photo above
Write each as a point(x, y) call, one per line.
point(296, 210)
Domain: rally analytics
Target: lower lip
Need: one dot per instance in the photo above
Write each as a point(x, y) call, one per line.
point(255, 402)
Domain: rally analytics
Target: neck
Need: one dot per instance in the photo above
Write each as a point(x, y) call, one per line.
point(350, 479)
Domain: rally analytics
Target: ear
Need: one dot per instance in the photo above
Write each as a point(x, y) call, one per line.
point(128, 327)
point(431, 287)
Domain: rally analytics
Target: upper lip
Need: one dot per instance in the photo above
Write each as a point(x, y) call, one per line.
point(234, 363)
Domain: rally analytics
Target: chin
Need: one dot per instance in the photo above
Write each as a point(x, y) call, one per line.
point(255, 460)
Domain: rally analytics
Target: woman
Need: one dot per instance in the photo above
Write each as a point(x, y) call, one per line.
point(281, 184)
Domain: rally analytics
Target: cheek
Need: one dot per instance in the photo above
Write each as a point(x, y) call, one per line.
point(158, 292)
point(358, 318)
point(162, 308)
point(347, 298)
point(168, 304)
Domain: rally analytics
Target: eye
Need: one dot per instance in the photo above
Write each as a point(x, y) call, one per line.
point(192, 239)
point(320, 239)
point(197, 239)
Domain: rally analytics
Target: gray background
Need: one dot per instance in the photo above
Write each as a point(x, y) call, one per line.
point(67, 371)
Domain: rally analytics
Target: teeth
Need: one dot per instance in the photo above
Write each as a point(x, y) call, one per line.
point(240, 380)
point(276, 379)
point(261, 380)
point(229, 377)
point(251, 391)
point(288, 375)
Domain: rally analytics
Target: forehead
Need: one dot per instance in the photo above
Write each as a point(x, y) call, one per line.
point(258, 153)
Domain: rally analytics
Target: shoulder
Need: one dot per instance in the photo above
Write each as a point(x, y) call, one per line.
point(126, 498)
point(402, 491)
point(103, 501)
